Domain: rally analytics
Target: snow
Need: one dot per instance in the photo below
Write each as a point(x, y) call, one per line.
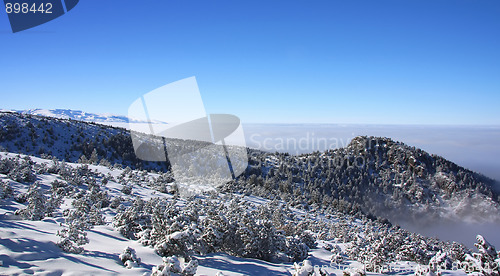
point(234, 266)
point(105, 119)
point(29, 247)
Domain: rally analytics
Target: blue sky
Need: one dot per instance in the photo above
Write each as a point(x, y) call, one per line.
point(375, 61)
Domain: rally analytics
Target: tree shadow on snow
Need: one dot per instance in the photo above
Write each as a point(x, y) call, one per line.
point(114, 257)
point(239, 265)
point(19, 225)
point(318, 262)
point(108, 235)
point(33, 250)
point(8, 204)
point(7, 261)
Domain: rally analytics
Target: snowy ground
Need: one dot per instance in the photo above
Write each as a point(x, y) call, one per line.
point(29, 247)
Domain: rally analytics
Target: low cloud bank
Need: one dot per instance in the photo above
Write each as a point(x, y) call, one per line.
point(458, 231)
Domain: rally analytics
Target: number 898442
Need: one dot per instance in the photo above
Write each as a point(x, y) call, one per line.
point(27, 8)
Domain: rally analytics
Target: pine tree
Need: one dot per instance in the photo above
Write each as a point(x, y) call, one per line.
point(5, 190)
point(74, 235)
point(37, 204)
point(171, 266)
point(129, 258)
point(83, 159)
point(94, 158)
point(81, 218)
point(54, 202)
point(487, 261)
point(306, 269)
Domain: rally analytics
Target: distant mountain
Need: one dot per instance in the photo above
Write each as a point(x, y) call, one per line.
point(106, 119)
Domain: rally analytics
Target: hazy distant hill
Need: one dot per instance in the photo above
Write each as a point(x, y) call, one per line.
point(76, 115)
point(106, 119)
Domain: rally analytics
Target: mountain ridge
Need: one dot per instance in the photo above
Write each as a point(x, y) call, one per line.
point(102, 118)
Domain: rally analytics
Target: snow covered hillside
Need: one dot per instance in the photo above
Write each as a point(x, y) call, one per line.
point(67, 139)
point(374, 176)
point(105, 119)
point(80, 219)
point(377, 177)
point(75, 199)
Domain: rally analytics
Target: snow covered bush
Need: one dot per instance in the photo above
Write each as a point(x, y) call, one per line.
point(191, 268)
point(162, 184)
point(6, 165)
point(21, 197)
point(208, 225)
point(239, 230)
point(37, 204)
point(74, 235)
point(98, 198)
point(83, 160)
point(83, 216)
point(380, 244)
point(308, 239)
point(440, 261)
point(268, 232)
point(116, 202)
point(424, 270)
point(171, 266)
point(129, 258)
point(296, 249)
point(306, 269)
point(134, 219)
point(88, 209)
point(177, 243)
point(486, 262)
point(486, 250)
point(54, 202)
point(337, 255)
point(22, 170)
point(5, 189)
point(61, 188)
point(355, 271)
point(126, 189)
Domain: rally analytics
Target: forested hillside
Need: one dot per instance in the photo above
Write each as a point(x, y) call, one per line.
point(376, 176)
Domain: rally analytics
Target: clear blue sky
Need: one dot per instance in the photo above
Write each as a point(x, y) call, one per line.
point(375, 61)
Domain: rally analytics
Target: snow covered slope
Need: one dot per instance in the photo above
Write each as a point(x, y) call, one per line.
point(105, 119)
point(371, 175)
point(284, 209)
point(227, 234)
